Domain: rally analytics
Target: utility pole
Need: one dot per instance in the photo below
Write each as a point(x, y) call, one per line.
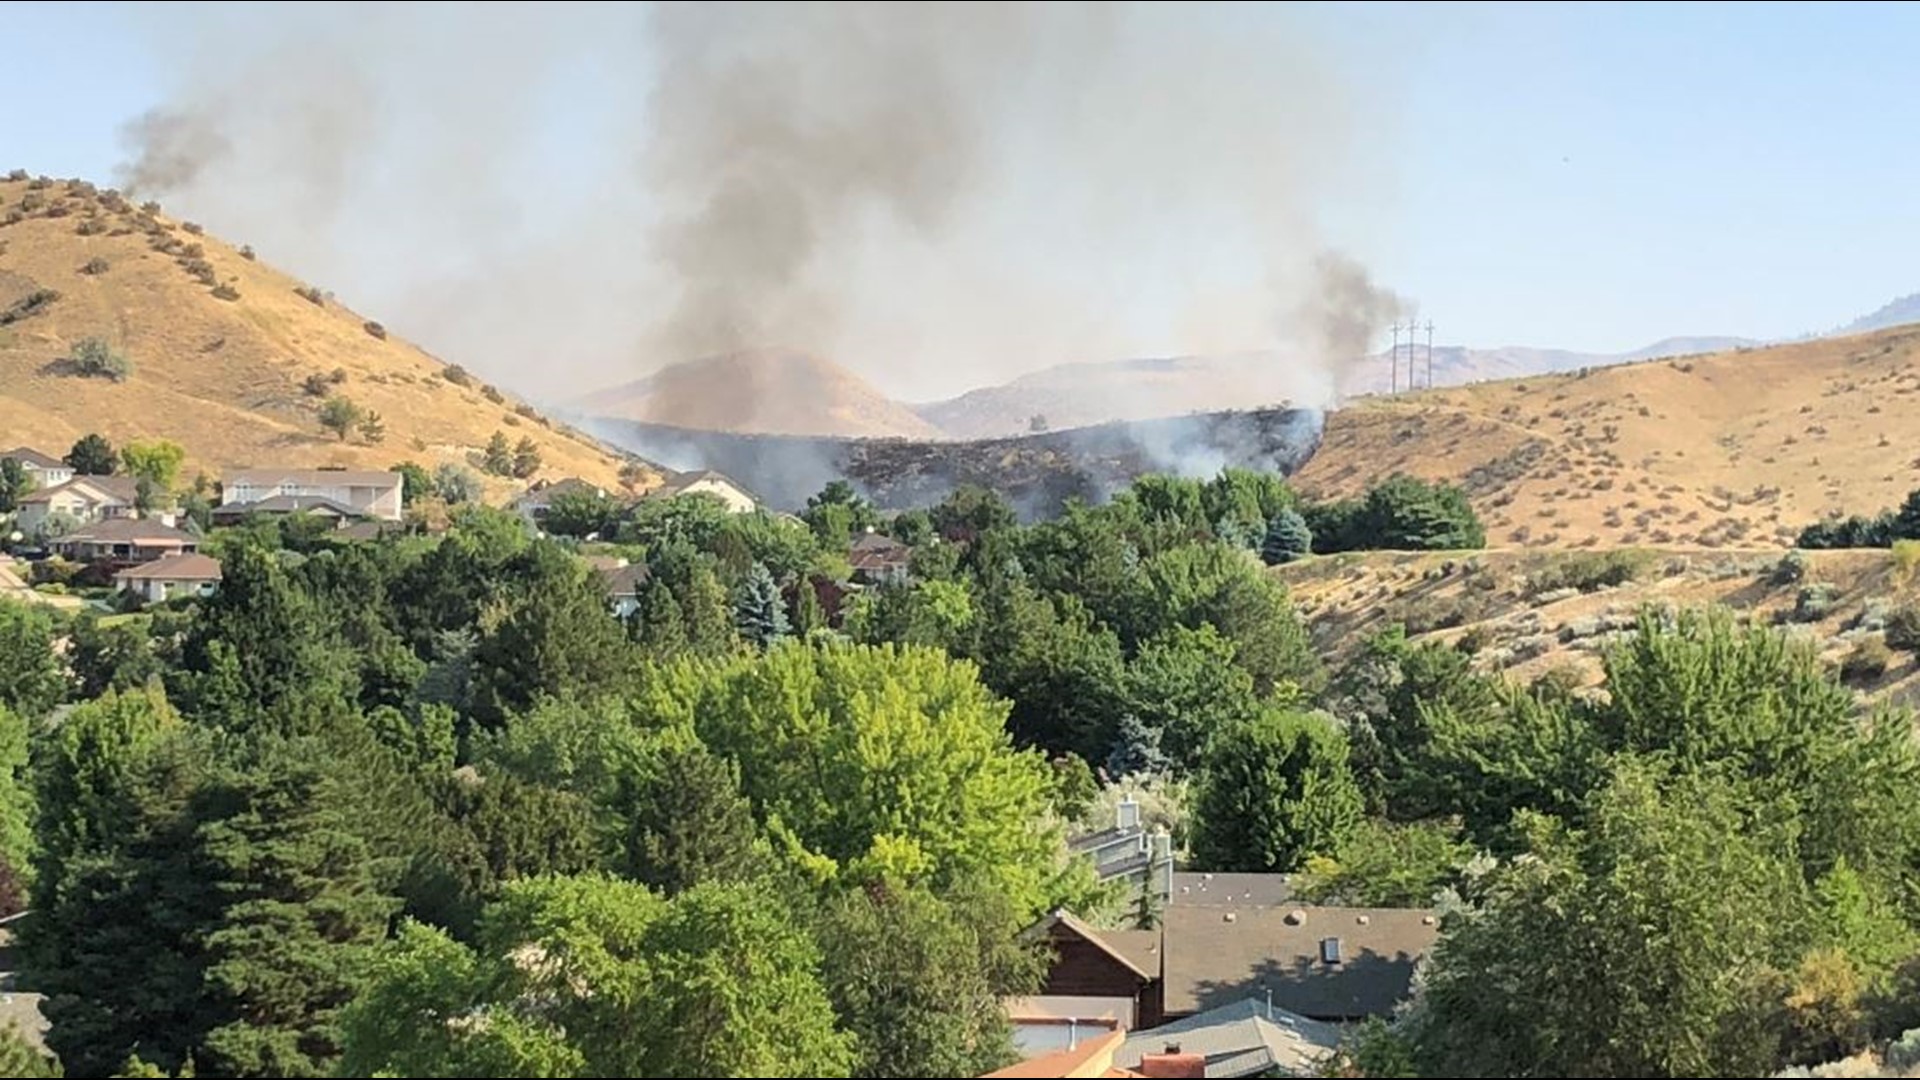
point(1393, 362)
point(1429, 354)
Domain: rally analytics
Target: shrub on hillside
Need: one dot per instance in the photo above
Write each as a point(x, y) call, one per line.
point(1790, 570)
point(1814, 602)
point(311, 295)
point(89, 226)
point(456, 375)
point(1906, 558)
point(96, 265)
point(246, 252)
point(224, 291)
point(1401, 513)
point(1903, 628)
point(317, 385)
point(1868, 661)
point(28, 306)
point(1590, 571)
point(93, 357)
point(16, 175)
point(375, 329)
point(492, 393)
point(192, 227)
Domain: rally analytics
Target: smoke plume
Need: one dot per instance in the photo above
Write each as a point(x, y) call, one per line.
point(937, 195)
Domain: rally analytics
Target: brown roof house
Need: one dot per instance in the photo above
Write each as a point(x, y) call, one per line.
point(1322, 963)
point(44, 470)
point(83, 499)
point(370, 494)
point(622, 581)
point(877, 558)
point(318, 506)
point(1098, 979)
point(123, 542)
point(170, 576)
point(707, 482)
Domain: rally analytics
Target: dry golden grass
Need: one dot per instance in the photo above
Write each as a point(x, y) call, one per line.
point(1725, 450)
point(1492, 597)
point(223, 377)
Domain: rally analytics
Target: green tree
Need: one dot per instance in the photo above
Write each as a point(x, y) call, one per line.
point(300, 908)
point(263, 651)
point(705, 615)
point(554, 639)
point(1273, 792)
point(497, 458)
point(1287, 538)
point(970, 513)
point(1136, 749)
point(889, 758)
point(339, 415)
point(32, 680)
point(919, 980)
point(658, 625)
point(92, 356)
point(111, 657)
point(526, 457)
point(837, 513)
point(758, 613)
point(15, 484)
point(582, 514)
point(1199, 585)
point(523, 828)
point(1639, 944)
point(18, 1057)
point(371, 428)
point(457, 484)
point(1184, 684)
point(156, 461)
point(1906, 519)
point(1381, 864)
point(16, 805)
point(807, 614)
point(93, 455)
point(683, 821)
point(1065, 676)
point(415, 482)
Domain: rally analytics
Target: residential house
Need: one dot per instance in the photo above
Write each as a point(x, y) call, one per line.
point(318, 506)
point(1323, 963)
point(1088, 1057)
point(84, 499)
point(1098, 978)
point(373, 494)
point(707, 482)
point(534, 503)
point(877, 558)
point(170, 576)
point(1246, 1038)
point(44, 470)
point(124, 542)
point(622, 581)
point(1128, 852)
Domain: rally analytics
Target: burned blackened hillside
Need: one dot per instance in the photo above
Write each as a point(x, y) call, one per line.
point(1037, 473)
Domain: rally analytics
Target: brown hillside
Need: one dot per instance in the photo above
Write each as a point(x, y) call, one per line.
point(1728, 449)
point(1515, 609)
point(761, 392)
point(223, 375)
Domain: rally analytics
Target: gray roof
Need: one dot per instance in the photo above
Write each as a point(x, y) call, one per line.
point(27, 455)
point(129, 531)
point(1230, 890)
point(623, 581)
point(543, 496)
point(1244, 1038)
point(188, 567)
point(116, 489)
point(289, 504)
point(678, 483)
point(1217, 955)
point(312, 478)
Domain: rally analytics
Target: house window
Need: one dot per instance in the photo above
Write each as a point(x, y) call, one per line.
point(1330, 950)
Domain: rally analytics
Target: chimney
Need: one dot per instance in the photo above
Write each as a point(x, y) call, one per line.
point(1173, 1063)
point(1127, 814)
point(1170, 1048)
point(167, 518)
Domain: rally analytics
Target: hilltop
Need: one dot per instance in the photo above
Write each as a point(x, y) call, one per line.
point(761, 392)
point(223, 348)
point(1729, 449)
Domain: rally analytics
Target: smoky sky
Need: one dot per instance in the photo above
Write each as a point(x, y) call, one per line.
point(936, 195)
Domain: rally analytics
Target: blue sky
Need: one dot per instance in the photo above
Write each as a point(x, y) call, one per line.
point(1581, 176)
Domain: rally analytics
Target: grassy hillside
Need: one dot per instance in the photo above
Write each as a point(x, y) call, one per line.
point(222, 346)
point(1730, 449)
point(1524, 612)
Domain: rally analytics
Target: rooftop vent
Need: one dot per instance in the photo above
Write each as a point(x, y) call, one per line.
point(1229, 916)
point(1170, 1048)
point(1427, 920)
point(1330, 950)
point(1363, 919)
point(1296, 917)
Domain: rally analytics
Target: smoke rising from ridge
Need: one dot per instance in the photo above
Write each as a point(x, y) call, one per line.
point(937, 195)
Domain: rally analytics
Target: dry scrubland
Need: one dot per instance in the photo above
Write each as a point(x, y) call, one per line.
point(223, 347)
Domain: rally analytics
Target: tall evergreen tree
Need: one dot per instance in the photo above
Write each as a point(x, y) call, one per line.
point(15, 484)
point(555, 639)
point(116, 657)
point(1136, 749)
point(658, 625)
point(1287, 539)
point(262, 651)
point(93, 455)
point(31, 679)
point(808, 615)
point(758, 613)
point(706, 616)
point(683, 821)
point(300, 909)
point(1906, 520)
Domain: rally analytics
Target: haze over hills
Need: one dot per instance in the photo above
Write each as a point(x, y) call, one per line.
point(222, 348)
point(760, 391)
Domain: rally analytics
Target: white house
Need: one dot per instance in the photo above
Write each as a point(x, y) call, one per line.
point(534, 503)
point(375, 494)
point(707, 482)
point(174, 575)
point(45, 470)
point(85, 499)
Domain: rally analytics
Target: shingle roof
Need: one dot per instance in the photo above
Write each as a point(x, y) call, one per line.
point(877, 551)
point(1136, 950)
point(1244, 1038)
point(625, 580)
point(678, 483)
point(104, 489)
point(27, 455)
point(288, 504)
point(1230, 890)
point(312, 478)
point(127, 531)
point(544, 495)
point(1216, 955)
point(193, 567)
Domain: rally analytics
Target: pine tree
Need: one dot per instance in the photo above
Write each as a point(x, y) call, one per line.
point(300, 909)
point(808, 615)
point(15, 484)
point(526, 457)
point(706, 615)
point(684, 822)
point(659, 626)
point(1287, 539)
point(498, 456)
point(1136, 749)
point(757, 612)
point(1906, 520)
point(93, 455)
